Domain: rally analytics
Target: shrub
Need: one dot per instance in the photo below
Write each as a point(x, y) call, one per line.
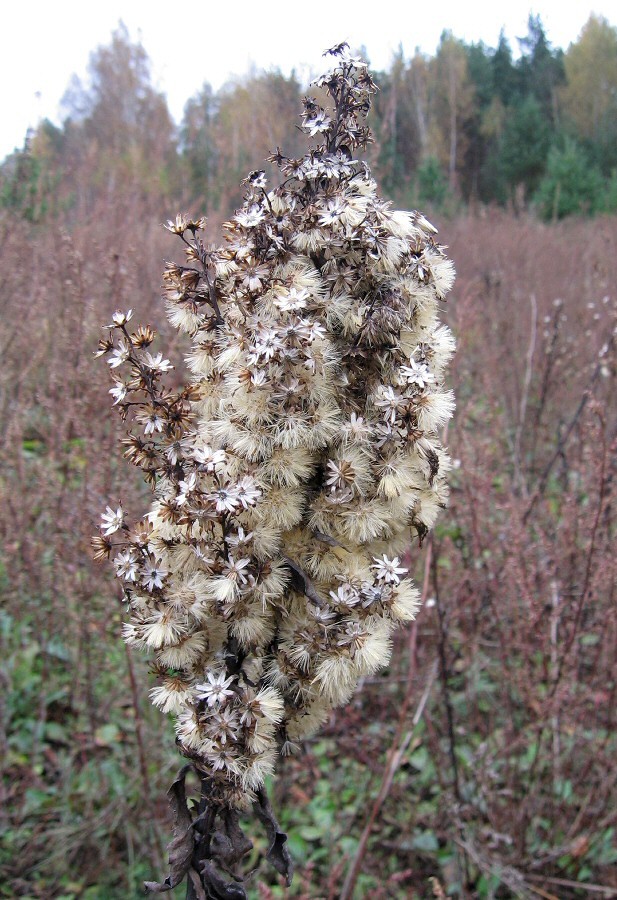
point(571, 184)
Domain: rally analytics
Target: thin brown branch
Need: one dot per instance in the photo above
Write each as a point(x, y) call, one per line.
point(399, 743)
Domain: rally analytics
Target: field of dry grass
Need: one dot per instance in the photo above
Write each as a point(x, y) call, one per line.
point(489, 743)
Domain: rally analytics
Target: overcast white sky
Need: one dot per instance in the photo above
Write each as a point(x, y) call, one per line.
point(46, 41)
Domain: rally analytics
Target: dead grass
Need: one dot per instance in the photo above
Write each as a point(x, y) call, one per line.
point(511, 770)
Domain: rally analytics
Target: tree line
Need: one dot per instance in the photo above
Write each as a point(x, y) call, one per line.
point(470, 125)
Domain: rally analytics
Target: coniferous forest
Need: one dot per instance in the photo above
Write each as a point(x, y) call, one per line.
point(480, 762)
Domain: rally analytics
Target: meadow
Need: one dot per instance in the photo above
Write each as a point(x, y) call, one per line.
point(481, 762)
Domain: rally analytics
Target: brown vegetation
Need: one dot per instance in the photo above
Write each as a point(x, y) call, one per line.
point(505, 782)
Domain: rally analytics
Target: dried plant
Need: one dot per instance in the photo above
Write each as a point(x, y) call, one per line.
point(266, 576)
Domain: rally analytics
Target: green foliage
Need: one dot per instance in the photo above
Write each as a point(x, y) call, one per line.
point(572, 185)
point(74, 797)
point(488, 119)
point(524, 146)
point(432, 183)
point(506, 79)
point(541, 69)
point(19, 187)
point(609, 197)
point(198, 146)
point(28, 179)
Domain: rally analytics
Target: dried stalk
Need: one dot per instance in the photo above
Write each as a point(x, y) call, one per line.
point(400, 743)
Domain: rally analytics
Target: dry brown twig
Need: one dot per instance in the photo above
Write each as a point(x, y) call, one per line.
point(400, 741)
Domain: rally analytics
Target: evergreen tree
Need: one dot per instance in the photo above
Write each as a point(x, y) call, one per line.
point(506, 78)
point(571, 185)
point(199, 149)
point(541, 70)
point(479, 66)
point(524, 148)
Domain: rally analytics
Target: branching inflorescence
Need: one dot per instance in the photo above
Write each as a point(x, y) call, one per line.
point(266, 577)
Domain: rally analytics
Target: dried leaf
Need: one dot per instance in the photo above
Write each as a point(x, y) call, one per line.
point(198, 888)
point(278, 854)
point(301, 582)
point(219, 888)
point(328, 539)
point(240, 844)
point(181, 846)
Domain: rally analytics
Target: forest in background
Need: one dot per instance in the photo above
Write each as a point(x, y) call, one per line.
point(470, 125)
point(483, 757)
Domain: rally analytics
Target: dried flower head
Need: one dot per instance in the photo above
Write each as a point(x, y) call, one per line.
point(292, 468)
